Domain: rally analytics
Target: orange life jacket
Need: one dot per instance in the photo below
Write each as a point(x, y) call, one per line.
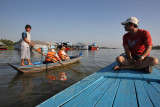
point(61, 56)
point(60, 53)
point(51, 57)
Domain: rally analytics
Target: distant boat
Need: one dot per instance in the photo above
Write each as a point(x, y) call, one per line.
point(80, 46)
point(93, 47)
point(3, 46)
point(67, 48)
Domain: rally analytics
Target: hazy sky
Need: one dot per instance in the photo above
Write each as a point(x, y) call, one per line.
point(85, 21)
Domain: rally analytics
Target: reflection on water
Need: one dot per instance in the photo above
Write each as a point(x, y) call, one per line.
point(62, 76)
point(32, 89)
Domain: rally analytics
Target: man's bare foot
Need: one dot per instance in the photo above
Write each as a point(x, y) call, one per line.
point(117, 67)
point(22, 64)
point(30, 63)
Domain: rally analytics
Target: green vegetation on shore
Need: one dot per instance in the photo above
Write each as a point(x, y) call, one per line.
point(156, 47)
point(10, 48)
point(10, 44)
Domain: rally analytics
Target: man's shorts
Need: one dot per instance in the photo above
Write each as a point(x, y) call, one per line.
point(25, 52)
point(136, 57)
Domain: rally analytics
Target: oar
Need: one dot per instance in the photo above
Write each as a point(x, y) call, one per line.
point(58, 61)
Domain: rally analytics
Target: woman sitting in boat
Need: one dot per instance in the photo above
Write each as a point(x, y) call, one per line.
point(52, 57)
point(62, 54)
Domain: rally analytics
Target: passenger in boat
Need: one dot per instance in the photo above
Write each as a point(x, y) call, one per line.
point(52, 57)
point(62, 54)
point(25, 45)
point(137, 44)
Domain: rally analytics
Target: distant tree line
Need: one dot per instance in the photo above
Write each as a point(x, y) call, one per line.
point(8, 42)
point(156, 47)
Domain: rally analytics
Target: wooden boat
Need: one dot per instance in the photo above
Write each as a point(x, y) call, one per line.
point(39, 67)
point(3, 48)
point(108, 88)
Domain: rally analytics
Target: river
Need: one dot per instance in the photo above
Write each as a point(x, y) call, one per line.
point(27, 90)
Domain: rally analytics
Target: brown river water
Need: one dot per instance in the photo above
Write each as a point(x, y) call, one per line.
point(29, 90)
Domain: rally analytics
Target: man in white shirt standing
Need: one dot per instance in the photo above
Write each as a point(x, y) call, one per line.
point(25, 45)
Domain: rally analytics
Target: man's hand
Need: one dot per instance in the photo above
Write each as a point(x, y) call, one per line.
point(140, 59)
point(138, 63)
point(32, 45)
point(26, 40)
point(131, 60)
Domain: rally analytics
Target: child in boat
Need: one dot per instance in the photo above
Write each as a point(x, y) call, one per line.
point(62, 54)
point(52, 57)
point(25, 45)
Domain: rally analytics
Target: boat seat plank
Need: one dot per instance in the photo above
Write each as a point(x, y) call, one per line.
point(130, 74)
point(151, 77)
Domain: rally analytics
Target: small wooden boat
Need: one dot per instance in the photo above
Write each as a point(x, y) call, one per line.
point(108, 88)
point(39, 67)
point(3, 48)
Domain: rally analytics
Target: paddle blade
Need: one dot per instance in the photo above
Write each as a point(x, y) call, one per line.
point(39, 50)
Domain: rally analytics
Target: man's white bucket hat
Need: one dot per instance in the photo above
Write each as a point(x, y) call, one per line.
point(132, 20)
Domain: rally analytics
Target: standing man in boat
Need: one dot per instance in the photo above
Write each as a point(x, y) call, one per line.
point(25, 45)
point(137, 44)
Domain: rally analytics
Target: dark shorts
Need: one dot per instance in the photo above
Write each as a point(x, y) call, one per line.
point(136, 57)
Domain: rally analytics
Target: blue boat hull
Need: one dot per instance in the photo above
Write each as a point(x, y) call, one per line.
point(107, 88)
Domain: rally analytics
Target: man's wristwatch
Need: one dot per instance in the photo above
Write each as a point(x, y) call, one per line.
point(142, 57)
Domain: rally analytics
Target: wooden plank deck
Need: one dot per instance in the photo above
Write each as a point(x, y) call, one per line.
point(107, 88)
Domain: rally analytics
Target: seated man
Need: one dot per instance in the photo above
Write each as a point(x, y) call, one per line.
point(62, 54)
point(137, 44)
point(51, 57)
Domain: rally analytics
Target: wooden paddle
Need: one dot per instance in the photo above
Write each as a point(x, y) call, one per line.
point(57, 61)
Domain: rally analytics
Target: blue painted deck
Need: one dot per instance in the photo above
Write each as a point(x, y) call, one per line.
point(107, 88)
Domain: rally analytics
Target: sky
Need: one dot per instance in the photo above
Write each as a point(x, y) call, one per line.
point(87, 21)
